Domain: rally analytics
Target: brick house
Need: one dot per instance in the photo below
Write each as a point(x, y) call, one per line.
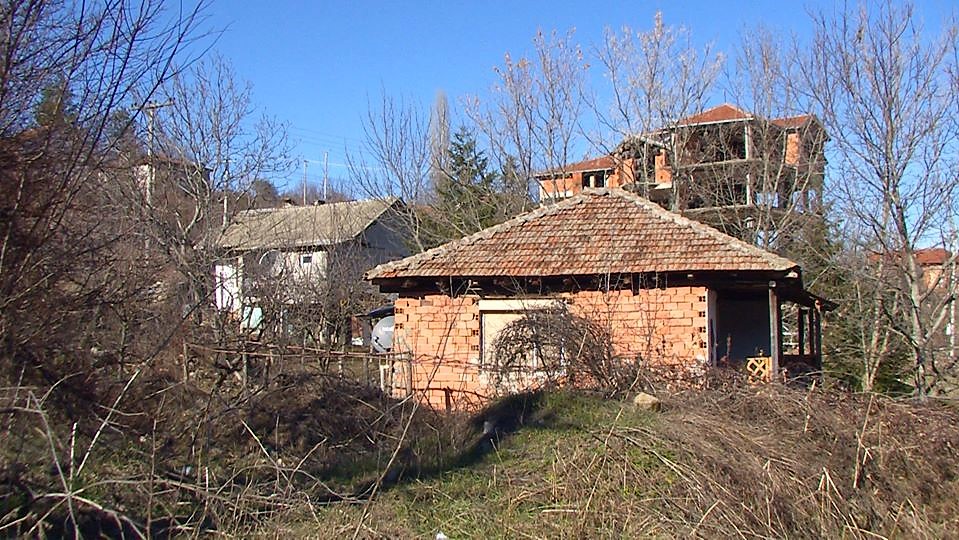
point(671, 291)
point(602, 172)
point(710, 165)
point(937, 267)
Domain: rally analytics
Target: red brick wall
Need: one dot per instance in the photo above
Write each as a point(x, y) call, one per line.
point(793, 149)
point(557, 187)
point(665, 327)
point(442, 333)
point(663, 173)
point(560, 187)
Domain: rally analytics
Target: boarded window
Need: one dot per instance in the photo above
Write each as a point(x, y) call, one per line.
point(497, 315)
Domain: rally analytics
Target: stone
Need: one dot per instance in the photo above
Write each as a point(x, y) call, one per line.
point(647, 402)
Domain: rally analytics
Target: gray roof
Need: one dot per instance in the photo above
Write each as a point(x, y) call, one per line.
point(302, 226)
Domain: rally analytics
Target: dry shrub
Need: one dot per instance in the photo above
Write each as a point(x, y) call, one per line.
point(191, 457)
point(765, 462)
point(777, 462)
point(553, 346)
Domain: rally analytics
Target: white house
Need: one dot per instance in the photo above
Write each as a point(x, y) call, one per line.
point(292, 252)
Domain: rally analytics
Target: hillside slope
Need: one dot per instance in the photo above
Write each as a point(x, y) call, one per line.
point(767, 462)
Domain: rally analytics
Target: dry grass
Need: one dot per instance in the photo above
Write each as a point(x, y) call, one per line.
point(311, 455)
point(734, 463)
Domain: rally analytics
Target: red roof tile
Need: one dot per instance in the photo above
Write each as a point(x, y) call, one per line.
point(790, 122)
point(596, 232)
point(601, 163)
point(720, 113)
point(932, 256)
point(595, 164)
point(924, 256)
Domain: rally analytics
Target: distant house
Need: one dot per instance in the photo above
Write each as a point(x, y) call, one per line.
point(939, 275)
point(939, 282)
point(571, 179)
point(671, 292)
point(709, 164)
point(298, 254)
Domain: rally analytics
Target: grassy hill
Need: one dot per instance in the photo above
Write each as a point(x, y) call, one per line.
point(763, 462)
point(316, 456)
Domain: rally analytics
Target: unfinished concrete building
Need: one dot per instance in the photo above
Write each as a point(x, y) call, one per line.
point(725, 167)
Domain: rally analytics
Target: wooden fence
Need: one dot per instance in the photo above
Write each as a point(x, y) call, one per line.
point(379, 370)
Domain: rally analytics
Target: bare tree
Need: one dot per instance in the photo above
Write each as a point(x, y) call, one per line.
point(531, 119)
point(656, 77)
point(396, 161)
point(887, 92)
point(59, 226)
point(771, 176)
point(73, 299)
point(208, 147)
point(528, 124)
point(439, 137)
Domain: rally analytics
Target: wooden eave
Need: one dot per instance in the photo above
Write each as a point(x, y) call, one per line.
point(460, 285)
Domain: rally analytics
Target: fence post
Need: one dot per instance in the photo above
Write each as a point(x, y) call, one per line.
point(186, 370)
point(409, 375)
point(246, 380)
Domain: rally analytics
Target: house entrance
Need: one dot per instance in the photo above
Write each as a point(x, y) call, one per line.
point(741, 326)
point(774, 323)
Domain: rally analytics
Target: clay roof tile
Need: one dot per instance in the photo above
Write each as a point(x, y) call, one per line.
point(575, 237)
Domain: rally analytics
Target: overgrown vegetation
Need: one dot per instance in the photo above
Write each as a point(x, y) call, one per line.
point(729, 462)
point(554, 347)
point(194, 457)
point(111, 425)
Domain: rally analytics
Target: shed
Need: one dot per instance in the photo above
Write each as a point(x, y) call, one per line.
point(672, 292)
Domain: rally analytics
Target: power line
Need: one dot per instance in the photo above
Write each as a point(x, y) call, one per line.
point(320, 142)
point(325, 135)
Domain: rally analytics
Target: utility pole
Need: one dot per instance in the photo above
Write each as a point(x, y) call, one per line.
point(326, 174)
point(226, 181)
point(150, 108)
point(305, 163)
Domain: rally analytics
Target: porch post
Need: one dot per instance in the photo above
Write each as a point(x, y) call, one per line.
point(817, 335)
point(748, 154)
point(775, 329)
point(801, 331)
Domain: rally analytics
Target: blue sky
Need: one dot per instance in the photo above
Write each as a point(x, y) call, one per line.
point(316, 65)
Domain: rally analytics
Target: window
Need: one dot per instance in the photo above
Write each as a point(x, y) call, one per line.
point(521, 347)
point(595, 179)
point(306, 258)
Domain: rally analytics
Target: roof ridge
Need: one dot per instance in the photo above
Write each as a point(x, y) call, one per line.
point(387, 202)
point(732, 106)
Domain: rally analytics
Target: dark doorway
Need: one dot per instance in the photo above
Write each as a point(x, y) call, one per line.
point(742, 325)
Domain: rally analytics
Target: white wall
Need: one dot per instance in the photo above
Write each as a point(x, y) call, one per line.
point(227, 293)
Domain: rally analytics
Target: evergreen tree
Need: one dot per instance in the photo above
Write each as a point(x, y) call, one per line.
point(468, 195)
point(56, 107)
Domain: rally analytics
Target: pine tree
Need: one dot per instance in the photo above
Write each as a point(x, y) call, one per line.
point(56, 107)
point(468, 195)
